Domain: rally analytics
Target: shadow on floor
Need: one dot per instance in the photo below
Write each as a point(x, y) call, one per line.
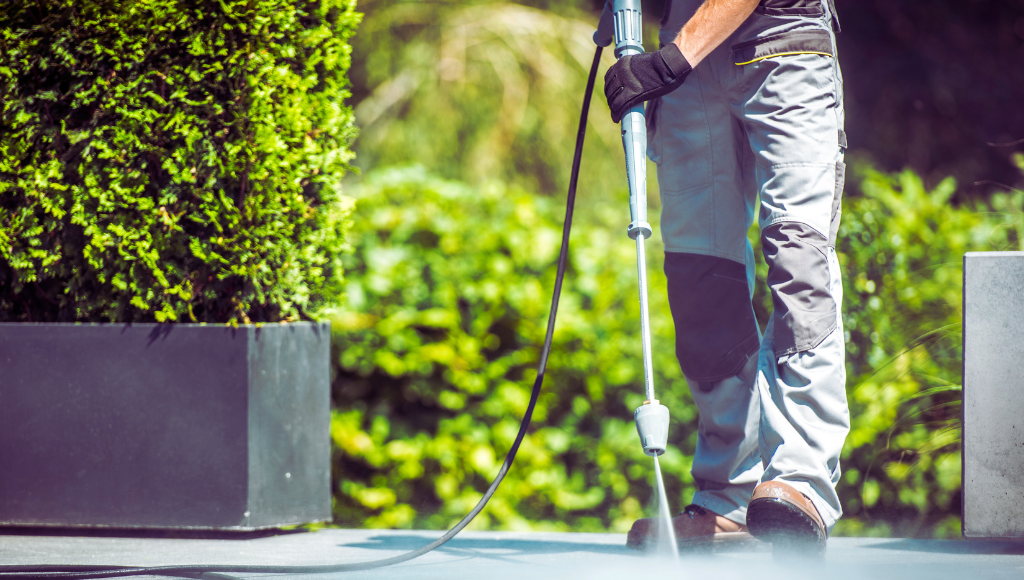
point(982, 547)
point(504, 546)
point(133, 533)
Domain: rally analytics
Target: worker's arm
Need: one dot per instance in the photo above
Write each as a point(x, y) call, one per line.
point(641, 77)
point(713, 22)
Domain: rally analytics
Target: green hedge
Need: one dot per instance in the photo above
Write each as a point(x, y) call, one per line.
point(902, 249)
point(448, 292)
point(166, 160)
point(448, 296)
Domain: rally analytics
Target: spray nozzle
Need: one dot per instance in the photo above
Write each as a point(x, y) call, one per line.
point(652, 426)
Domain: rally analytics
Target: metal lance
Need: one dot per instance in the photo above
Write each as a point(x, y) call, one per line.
point(626, 24)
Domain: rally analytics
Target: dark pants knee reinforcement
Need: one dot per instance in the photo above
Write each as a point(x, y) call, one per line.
point(715, 327)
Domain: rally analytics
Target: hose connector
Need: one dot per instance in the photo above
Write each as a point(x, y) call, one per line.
point(652, 425)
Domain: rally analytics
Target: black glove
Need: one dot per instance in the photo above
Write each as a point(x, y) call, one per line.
point(641, 77)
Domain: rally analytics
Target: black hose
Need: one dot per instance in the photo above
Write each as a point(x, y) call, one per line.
point(85, 572)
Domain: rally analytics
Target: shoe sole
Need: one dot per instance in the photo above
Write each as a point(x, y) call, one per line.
point(786, 527)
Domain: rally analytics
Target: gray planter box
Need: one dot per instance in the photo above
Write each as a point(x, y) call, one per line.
point(164, 426)
point(993, 407)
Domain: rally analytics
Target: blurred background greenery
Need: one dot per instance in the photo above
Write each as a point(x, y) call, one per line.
point(467, 113)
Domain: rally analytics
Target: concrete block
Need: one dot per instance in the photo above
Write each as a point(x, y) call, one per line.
point(164, 426)
point(993, 403)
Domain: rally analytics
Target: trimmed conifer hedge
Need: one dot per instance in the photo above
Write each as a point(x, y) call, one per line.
point(172, 160)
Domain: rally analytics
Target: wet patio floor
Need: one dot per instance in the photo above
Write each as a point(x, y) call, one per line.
point(526, 555)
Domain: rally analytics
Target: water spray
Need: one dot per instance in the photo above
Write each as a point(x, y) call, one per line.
point(622, 22)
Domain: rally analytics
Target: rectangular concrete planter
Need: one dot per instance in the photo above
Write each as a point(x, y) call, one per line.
point(993, 395)
point(164, 426)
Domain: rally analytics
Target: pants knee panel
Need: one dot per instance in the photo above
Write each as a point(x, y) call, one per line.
point(798, 276)
point(715, 326)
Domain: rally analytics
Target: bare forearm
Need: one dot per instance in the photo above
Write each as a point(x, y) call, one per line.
point(714, 21)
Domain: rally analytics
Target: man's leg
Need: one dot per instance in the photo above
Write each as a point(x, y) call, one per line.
point(716, 343)
point(705, 176)
point(792, 110)
point(804, 413)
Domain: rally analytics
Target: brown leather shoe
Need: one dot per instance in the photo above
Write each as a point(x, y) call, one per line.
point(695, 526)
point(786, 518)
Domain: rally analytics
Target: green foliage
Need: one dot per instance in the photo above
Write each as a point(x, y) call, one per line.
point(448, 291)
point(172, 160)
point(902, 248)
point(449, 288)
point(448, 295)
point(435, 349)
point(482, 91)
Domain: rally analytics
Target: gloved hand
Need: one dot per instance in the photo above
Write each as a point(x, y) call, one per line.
point(641, 77)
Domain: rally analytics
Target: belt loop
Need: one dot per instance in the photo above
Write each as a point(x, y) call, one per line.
point(835, 17)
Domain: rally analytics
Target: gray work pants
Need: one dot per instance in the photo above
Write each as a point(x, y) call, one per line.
point(758, 124)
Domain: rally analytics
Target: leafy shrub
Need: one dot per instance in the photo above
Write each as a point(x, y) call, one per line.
point(171, 160)
point(434, 350)
point(902, 250)
point(448, 291)
point(448, 294)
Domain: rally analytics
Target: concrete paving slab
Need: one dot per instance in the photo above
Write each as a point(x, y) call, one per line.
point(531, 556)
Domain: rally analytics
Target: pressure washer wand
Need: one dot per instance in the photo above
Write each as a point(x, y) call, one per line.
point(622, 18)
